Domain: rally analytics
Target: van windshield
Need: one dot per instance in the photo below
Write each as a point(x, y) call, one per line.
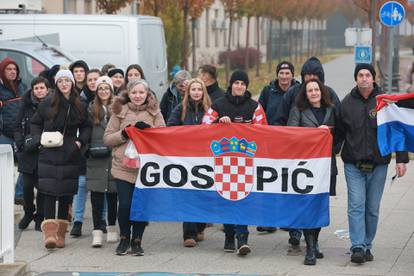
point(54, 55)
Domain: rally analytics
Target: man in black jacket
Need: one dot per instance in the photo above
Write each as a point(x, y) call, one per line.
point(272, 94)
point(208, 74)
point(365, 168)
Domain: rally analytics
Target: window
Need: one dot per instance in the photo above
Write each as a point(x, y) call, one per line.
point(29, 67)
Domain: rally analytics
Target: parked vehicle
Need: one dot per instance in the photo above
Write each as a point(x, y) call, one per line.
point(33, 57)
point(98, 39)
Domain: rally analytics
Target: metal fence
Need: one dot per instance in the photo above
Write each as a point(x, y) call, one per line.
point(6, 204)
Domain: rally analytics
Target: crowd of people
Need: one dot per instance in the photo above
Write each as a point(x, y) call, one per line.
point(68, 132)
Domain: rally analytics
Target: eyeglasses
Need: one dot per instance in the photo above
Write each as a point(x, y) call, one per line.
point(106, 89)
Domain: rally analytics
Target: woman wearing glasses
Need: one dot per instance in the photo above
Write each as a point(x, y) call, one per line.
point(58, 166)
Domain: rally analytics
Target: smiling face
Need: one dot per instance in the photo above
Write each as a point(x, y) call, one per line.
point(196, 92)
point(117, 80)
point(64, 85)
point(285, 77)
point(104, 92)
point(313, 94)
point(238, 88)
point(138, 94)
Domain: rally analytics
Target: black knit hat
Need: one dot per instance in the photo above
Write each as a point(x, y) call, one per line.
point(285, 65)
point(241, 76)
point(366, 66)
point(79, 63)
point(114, 71)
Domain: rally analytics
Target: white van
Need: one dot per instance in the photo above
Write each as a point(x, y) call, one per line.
point(98, 39)
point(33, 57)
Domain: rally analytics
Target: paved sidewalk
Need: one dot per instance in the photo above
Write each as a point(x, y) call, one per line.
point(393, 248)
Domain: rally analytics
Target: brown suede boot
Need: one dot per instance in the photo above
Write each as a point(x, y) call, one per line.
point(49, 228)
point(61, 233)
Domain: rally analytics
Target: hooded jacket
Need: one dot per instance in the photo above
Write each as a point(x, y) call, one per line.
point(125, 113)
point(311, 66)
point(169, 101)
point(10, 99)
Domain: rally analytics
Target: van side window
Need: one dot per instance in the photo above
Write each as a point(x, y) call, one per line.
point(28, 66)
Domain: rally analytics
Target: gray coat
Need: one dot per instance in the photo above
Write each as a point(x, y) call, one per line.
point(98, 170)
point(306, 118)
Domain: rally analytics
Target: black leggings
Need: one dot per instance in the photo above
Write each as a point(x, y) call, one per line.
point(97, 201)
point(29, 183)
point(50, 206)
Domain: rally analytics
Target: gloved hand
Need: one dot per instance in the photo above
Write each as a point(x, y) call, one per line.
point(124, 133)
point(142, 125)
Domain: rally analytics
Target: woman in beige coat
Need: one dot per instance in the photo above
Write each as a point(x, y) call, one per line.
point(135, 107)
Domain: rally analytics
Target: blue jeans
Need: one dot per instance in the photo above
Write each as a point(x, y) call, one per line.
point(18, 193)
point(236, 228)
point(364, 198)
point(79, 201)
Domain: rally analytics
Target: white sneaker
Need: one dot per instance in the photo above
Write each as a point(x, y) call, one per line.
point(97, 238)
point(112, 234)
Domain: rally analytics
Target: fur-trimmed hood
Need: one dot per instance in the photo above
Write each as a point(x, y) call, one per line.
point(152, 106)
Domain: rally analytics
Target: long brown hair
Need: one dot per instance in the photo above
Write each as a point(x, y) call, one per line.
point(97, 112)
point(73, 98)
point(205, 103)
point(302, 101)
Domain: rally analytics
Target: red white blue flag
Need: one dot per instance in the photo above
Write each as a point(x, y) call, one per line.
point(233, 173)
point(395, 121)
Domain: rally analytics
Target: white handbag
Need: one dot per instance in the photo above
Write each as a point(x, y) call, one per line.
point(53, 139)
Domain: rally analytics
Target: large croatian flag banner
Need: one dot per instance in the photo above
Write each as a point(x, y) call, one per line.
point(233, 173)
point(395, 123)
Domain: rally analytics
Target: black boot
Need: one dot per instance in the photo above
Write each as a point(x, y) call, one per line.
point(76, 229)
point(318, 252)
point(242, 247)
point(38, 218)
point(25, 221)
point(310, 258)
point(229, 244)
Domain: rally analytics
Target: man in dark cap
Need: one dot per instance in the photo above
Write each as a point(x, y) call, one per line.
point(272, 94)
point(365, 169)
point(236, 106)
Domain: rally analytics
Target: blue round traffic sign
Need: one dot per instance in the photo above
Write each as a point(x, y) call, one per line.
point(391, 14)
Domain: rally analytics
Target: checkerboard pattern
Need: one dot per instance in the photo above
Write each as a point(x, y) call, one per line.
point(233, 176)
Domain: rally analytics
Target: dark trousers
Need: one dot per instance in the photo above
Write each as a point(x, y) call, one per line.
point(125, 191)
point(50, 206)
point(97, 201)
point(315, 232)
point(29, 183)
point(191, 229)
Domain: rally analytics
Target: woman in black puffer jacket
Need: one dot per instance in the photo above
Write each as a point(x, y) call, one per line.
point(28, 151)
point(59, 166)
